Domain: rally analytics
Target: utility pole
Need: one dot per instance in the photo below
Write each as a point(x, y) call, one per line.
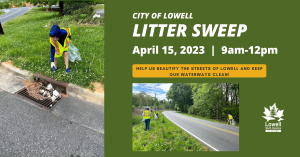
point(155, 102)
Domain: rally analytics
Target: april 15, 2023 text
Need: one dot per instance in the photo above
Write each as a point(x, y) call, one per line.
point(168, 50)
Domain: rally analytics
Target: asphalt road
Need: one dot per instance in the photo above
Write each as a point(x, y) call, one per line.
point(13, 13)
point(216, 136)
point(27, 130)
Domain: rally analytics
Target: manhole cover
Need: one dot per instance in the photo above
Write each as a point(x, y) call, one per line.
point(45, 103)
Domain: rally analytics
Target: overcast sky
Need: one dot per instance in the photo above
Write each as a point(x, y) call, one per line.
point(151, 88)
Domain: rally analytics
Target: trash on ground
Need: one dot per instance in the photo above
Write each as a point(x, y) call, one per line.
point(49, 87)
point(53, 98)
point(33, 89)
point(97, 15)
point(40, 92)
point(55, 93)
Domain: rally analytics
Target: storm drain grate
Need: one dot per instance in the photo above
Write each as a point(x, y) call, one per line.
point(46, 103)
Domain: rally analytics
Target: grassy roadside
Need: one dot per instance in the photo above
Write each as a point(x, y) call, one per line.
point(26, 43)
point(162, 136)
point(97, 7)
point(1, 13)
point(203, 118)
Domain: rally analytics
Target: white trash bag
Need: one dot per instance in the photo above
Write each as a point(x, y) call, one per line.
point(233, 122)
point(155, 117)
point(73, 53)
point(97, 15)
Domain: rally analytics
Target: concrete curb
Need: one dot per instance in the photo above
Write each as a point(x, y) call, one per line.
point(72, 89)
point(25, 74)
point(85, 94)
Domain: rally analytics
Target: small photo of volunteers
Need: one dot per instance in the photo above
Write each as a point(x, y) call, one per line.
point(185, 116)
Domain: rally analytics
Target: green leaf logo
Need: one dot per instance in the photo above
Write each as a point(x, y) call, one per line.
point(273, 113)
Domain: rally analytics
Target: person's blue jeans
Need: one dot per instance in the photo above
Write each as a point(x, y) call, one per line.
point(147, 122)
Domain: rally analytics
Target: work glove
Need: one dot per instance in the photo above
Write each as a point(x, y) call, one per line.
point(53, 66)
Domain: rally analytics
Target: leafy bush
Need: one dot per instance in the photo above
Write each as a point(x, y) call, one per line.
point(23, 4)
point(80, 16)
point(194, 110)
point(5, 5)
point(136, 116)
point(70, 8)
point(137, 120)
point(87, 11)
point(99, 1)
point(234, 111)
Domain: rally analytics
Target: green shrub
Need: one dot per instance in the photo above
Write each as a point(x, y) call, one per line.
point(70, 8)
point(5, 5)
point(194, 110)
point(87, 11)
point(233, 110)
point(99, 1)
point(137, 120)
point(80, 16)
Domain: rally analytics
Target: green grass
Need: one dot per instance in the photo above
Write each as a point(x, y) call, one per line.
point(26, 43)
point(162, 136)
point(208, 119)
point(97, 7)
point(1, 13)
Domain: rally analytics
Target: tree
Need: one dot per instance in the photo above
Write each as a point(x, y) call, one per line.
point(142, 99)
point(5, 4)
point(19, 4)
point(212, 100)
point(181, 94)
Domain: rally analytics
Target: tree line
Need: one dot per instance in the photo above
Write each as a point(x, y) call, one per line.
point(211, 100)
point(143, 99)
